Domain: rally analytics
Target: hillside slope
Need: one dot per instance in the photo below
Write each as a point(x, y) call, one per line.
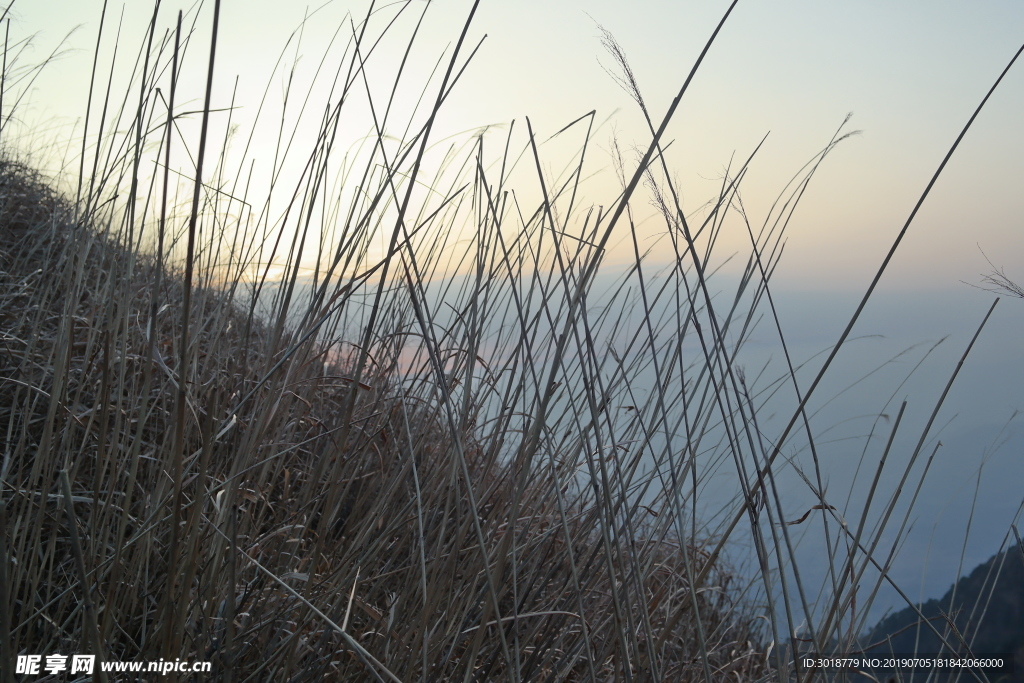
point(986, 607)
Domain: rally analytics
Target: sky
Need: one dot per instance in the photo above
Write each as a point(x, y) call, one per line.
point(911, 74)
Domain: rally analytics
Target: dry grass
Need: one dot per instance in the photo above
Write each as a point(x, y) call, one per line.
point(378, 512)
point(445, 461)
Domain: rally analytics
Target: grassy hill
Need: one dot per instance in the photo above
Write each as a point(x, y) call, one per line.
point(368, 419)
point(298, 523)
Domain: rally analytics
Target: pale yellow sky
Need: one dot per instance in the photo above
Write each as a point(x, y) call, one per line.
point(911, 73)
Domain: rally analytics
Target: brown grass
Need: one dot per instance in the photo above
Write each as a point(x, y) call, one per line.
point(446, 461)
point(285, 487)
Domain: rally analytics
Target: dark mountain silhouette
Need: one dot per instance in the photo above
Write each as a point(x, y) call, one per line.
point(986, 608)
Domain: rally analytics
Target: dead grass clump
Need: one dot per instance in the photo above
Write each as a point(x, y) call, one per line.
point(437, 453)
point(283, 506)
